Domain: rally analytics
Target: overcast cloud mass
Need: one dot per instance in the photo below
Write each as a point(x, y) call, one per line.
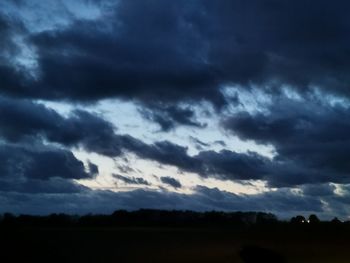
point(188, 104)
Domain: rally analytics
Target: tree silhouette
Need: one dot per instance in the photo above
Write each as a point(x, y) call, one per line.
point(313, 219)
point(336, 221)
point(298, 220)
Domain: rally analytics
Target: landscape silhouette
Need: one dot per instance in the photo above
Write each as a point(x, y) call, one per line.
point(172, 236)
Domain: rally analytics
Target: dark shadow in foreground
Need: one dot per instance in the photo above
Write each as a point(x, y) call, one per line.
point(255, 254)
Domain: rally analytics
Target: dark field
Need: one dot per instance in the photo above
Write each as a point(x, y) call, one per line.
point(149, 244)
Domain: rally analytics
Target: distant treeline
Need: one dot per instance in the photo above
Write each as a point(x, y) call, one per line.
point(151, 217)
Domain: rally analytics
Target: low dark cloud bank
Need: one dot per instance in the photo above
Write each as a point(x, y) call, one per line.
point(204, 199)
point(39, 169)
point(41, 163)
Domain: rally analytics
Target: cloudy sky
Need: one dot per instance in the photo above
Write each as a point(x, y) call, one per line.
point(188, 104)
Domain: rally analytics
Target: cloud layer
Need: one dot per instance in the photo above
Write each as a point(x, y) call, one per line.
point(168, 59)
point(172, 51)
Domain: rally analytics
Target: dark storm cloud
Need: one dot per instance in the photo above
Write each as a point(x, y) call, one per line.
point(161, 60)
point(184, 50)
point(164, 152)
point(311, 138)
point(37, 186)
point(231, 165)
point(11, 75)
point(319, 190)
point(93, 168)
point(131, 180)
point(9, 29)
point(34, 168)
point(168, 117)
point(29, 166)
point(6, 43)
point(23, 119)
point(40, 162)
point(170, 181)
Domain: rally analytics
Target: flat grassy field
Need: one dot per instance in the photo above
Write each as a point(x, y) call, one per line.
point(202, 245)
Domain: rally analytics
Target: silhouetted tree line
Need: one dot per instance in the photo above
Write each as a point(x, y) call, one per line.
point(150, 217)
point(143, 217)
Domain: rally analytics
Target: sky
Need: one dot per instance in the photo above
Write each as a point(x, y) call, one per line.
point(228, 105)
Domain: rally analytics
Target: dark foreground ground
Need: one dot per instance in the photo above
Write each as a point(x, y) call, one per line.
point(131, 244)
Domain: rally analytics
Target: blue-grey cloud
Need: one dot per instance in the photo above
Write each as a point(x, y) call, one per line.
point(131, 180)
point(23, 119)
point(170, 181)
point(319, 190)
point(55, 185)
point(284, 202)
point(217, 43)
point(168, 117)
point(40, 162)
point(311, 138)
